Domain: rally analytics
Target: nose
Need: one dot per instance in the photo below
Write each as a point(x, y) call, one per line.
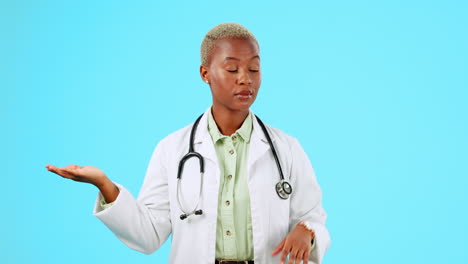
point(244, 78)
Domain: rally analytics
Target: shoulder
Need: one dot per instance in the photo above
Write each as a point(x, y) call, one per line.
point(181, 136)
point(289, 146)
point(173, 144)
point(177, 137)
point(280, 137)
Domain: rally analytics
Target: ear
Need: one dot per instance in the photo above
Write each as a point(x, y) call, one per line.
point(204, 74)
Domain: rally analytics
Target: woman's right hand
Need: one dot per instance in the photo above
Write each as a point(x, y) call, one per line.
point(88, 174)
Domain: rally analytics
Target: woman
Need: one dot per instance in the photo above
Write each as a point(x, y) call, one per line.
point(233, 212)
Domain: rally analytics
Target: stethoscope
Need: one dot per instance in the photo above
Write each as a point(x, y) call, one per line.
point(283, 188)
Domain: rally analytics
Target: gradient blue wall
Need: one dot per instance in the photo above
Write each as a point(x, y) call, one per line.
point(375, 91)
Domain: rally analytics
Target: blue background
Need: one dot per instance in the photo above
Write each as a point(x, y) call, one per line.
point(375, 91)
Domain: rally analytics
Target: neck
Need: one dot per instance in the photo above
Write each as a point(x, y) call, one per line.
point(228, 121)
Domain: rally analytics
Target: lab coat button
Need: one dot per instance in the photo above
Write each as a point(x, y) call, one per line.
point(229, 177)
point(228, 203)
point(228, 233)
point(231, 152)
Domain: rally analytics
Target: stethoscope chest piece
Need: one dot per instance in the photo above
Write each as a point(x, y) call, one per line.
point(283, 189)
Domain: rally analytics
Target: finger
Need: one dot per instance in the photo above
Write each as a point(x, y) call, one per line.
point(50, 167)
point(292, 256)
point(53, 169)
point(66, 173)
point(62, 171)
point(278, 248)
point(73, 167)
point(300, 257)
point(284, 255)
point(306, 257)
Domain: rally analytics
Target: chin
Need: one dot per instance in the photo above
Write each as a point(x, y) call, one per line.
point(242, 107)
point(235, 106)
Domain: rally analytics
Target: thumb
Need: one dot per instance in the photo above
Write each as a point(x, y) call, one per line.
point(278, 248)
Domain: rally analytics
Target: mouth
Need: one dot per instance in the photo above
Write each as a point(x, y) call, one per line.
point(244, 95)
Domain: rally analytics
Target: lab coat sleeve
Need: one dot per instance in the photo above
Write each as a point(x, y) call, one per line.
point(306, 201)
point(102, 202)
point(142, 224)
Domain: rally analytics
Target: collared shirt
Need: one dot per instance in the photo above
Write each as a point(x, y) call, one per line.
point(234, 224)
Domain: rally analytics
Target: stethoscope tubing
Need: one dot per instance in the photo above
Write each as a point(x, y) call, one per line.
point(283, 188)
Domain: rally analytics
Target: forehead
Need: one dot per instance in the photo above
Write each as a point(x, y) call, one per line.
point(240, 48)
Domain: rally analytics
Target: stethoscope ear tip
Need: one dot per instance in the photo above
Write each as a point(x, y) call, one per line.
point(197, 212)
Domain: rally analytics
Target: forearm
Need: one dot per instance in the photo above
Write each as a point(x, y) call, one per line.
point(108, 190)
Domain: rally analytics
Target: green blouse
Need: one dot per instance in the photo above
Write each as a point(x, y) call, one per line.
point(234, 224)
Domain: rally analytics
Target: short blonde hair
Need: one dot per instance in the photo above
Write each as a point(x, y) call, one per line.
point(225, 30)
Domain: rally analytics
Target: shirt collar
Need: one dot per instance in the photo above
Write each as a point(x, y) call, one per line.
point(245, 131)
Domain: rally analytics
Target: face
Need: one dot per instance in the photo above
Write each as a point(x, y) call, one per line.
point(233, 73)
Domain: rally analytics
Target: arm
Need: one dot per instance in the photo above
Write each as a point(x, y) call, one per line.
point(305, 205)
point(143, 224)
point(108, 190)
point(306, 202)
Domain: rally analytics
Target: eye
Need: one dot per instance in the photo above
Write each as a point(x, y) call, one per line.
point(232, 70)
point(254, 68)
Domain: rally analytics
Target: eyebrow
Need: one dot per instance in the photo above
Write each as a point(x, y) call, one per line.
point(233, 58)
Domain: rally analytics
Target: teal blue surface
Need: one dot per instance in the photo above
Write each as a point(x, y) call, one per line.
point(375, 91)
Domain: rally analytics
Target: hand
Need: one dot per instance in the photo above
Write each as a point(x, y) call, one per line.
point(297, 244)
point(88, 174)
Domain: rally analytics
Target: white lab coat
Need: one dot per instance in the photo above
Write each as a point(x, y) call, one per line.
point(144, 224)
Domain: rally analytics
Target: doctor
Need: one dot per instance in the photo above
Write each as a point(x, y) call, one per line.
point(241, 217)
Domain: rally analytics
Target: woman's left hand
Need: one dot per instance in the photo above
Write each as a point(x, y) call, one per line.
point(297, 244)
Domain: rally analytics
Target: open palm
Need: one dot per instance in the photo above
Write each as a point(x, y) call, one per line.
point(88, 174)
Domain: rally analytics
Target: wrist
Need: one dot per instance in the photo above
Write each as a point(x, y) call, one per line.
point(103, 183)
point(306, 225)
point(109, 190)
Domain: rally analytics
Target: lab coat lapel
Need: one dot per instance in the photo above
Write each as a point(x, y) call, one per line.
point(258, 143)
point(203, 143)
